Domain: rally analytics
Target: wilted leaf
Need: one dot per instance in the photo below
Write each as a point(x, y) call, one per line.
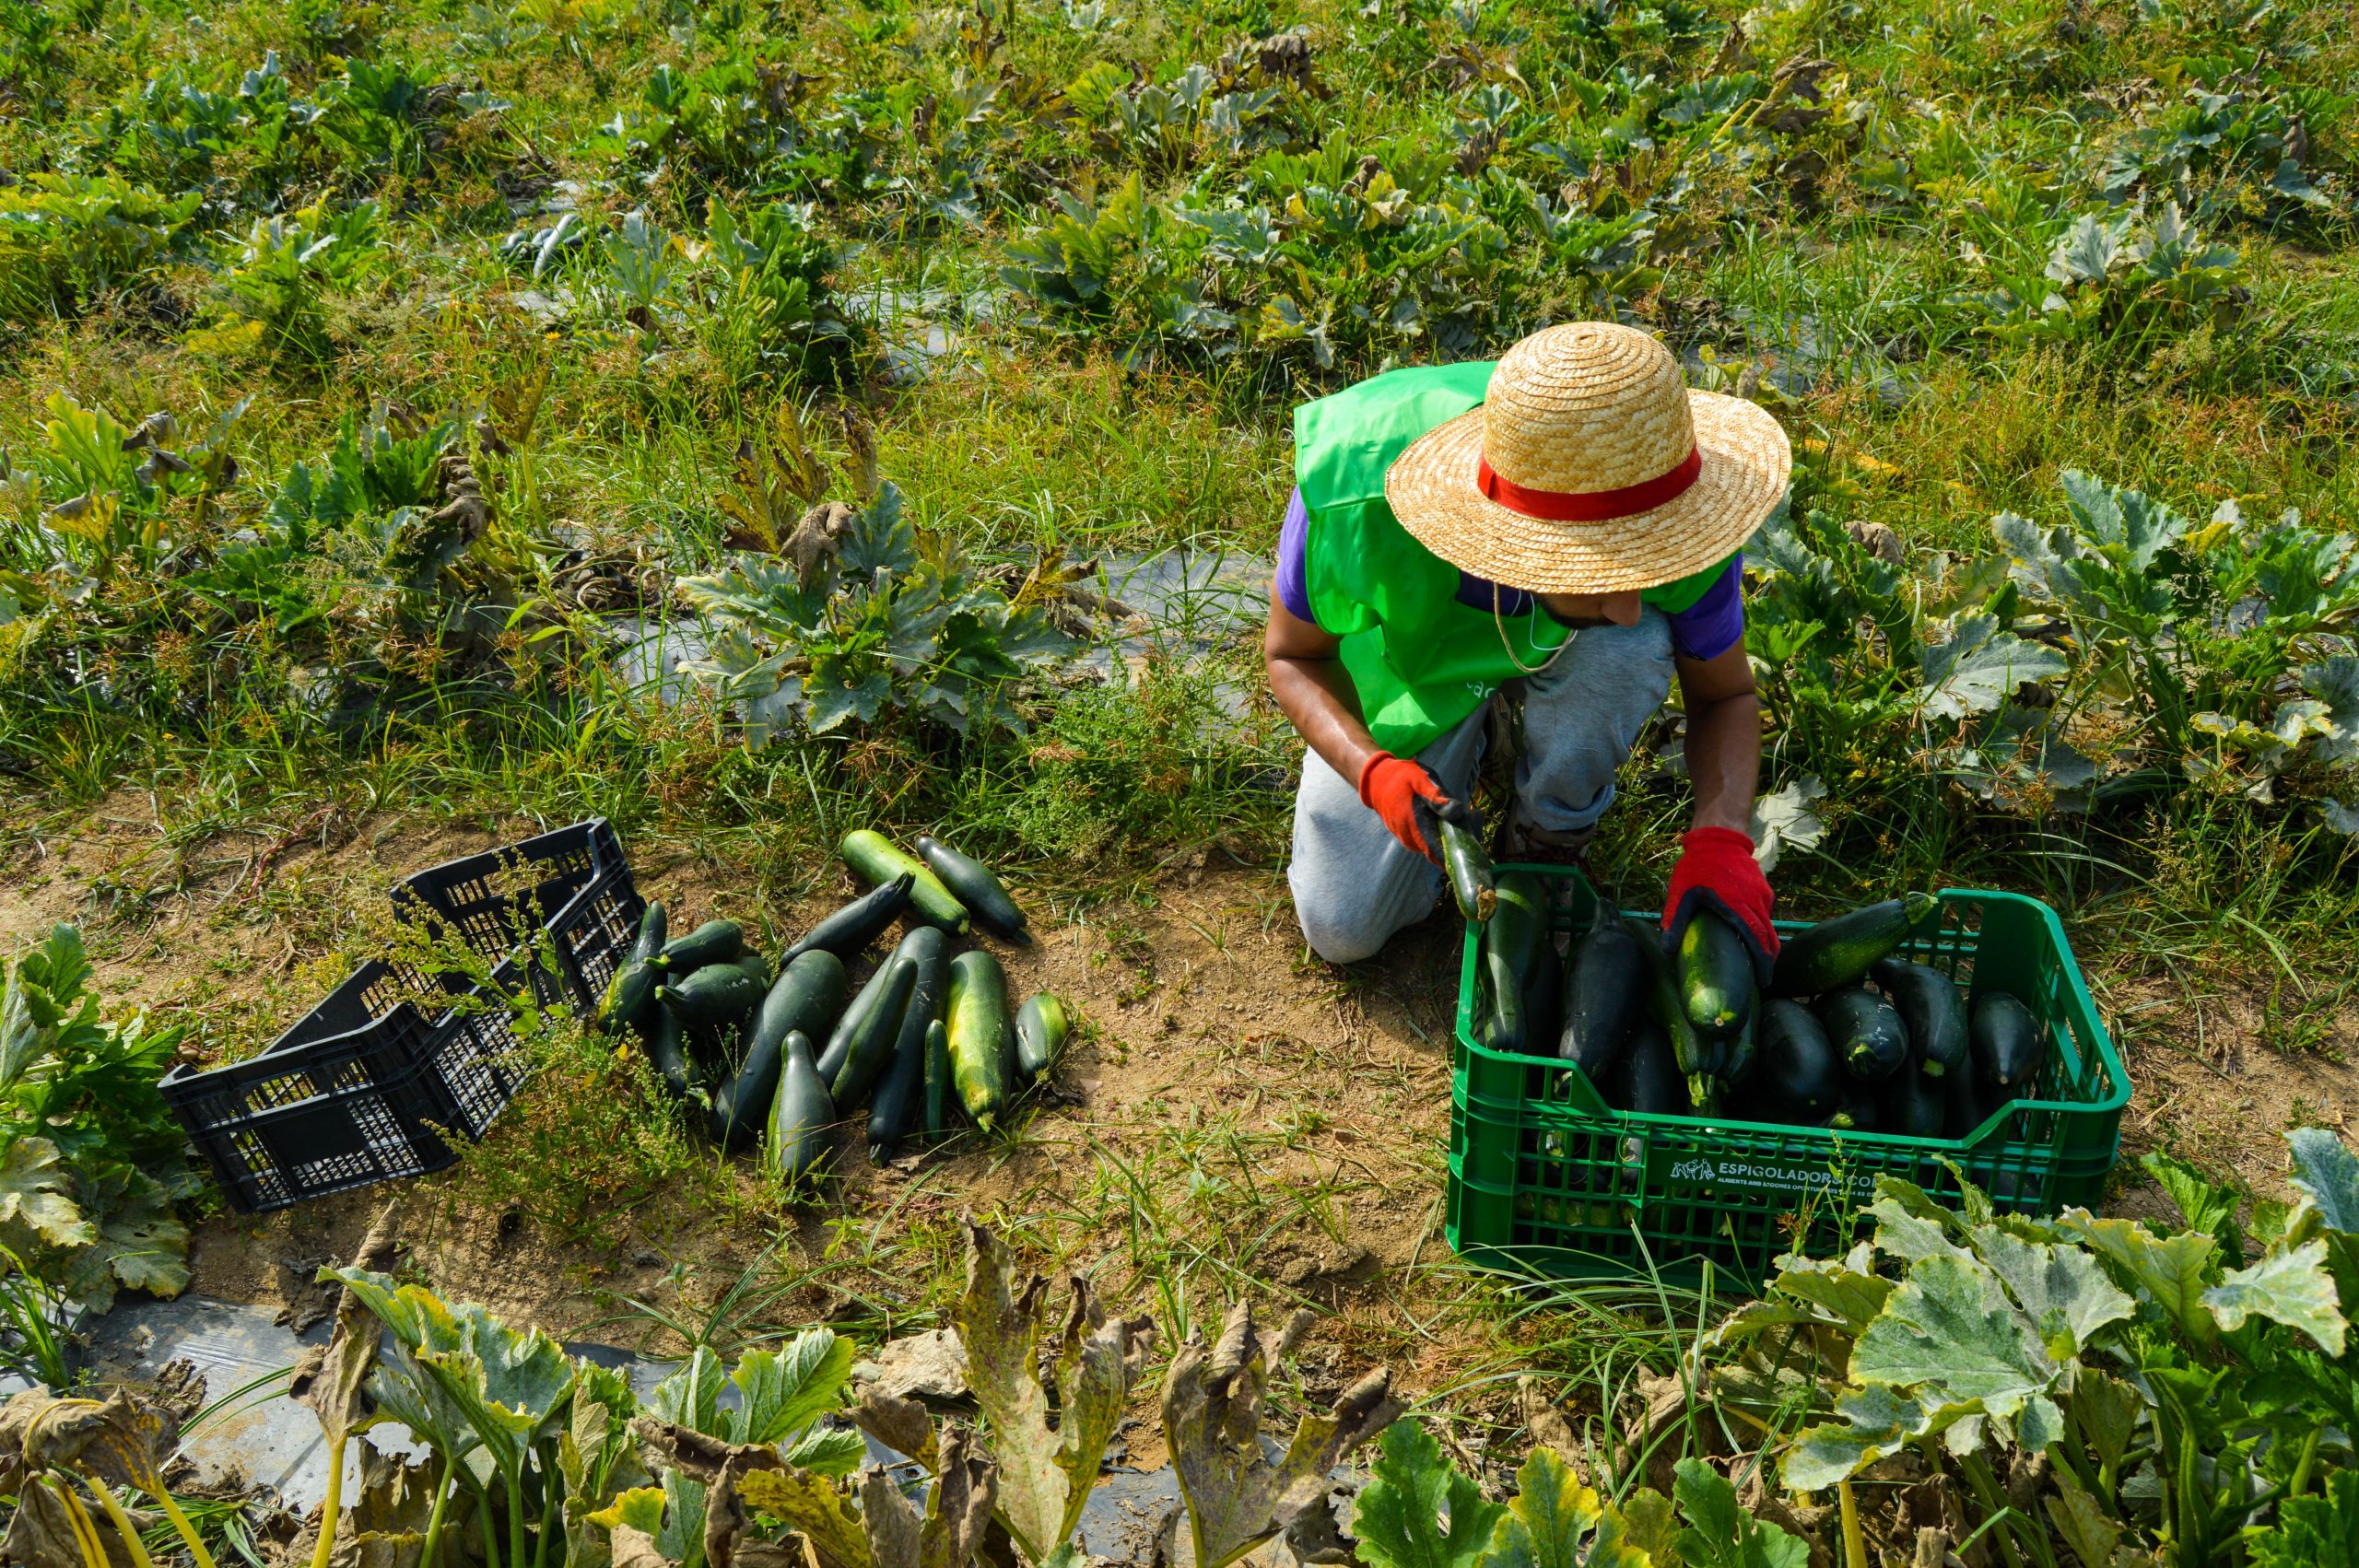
point(818, 1507)
point(1399, 1515)
point(1213, 1403)
point(36, 1195)
point(1786, 817)
point(2293, 1288)
point(2082, 1520)
point(332, 1381)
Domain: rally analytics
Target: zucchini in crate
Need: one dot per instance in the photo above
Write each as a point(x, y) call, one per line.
point(1655, 1084)
point(2008, 1046)
point(1515, 945)
point(1929, 1005)
point(1602, 987)
point(1715, 977)
point(874, 858)
point(1865, 1031)
point(1469, 867)
point(1800, 1076)
point(981, 1044)
point(1839, 951)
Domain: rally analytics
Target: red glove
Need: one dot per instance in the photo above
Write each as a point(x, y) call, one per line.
point(1717, 872)
point(1391, 787)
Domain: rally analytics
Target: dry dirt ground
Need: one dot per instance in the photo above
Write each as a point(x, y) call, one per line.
point(1231, 1109)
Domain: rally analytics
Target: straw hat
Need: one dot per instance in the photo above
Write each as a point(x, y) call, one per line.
point(1592, 469)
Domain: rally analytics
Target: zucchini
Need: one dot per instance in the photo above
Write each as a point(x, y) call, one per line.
point(1602, 988)
point(1865, 1031)
point(741, 1104)
point(854, 1018)
point(1041, 1028)
point(971, 882)
point(800, 1114)
point(1929, 1005)
point(1513, 949)
point(1665, 1005)
point(1799, 1068)
point(653, 930)
point(875, 861)
point(758, 966)
point(1471, 882)
point(850, 928)
point(1655, 1086)
point(715, 942)
point(628, 994)
point(712, 996)
point(941, 1089)
point(667, 1052)
point(1857, 1111)
point(1744, 1052)
point(1963, 1109)
point(2008, 1046)
point(900, 1086)
point(981, 1045)
point(1716, 979)
point(1839, 951)
point(807, 995)
point(868, 1050)
point(1913, 1104)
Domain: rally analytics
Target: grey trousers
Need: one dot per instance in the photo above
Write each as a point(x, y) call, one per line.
point(1355, 884)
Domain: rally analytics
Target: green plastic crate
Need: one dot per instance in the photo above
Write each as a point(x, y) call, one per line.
point(1544, 1177)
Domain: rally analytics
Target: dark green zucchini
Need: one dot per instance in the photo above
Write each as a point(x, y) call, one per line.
point(877, 860)
point(1716, 978)
point(628, 995)
point(807, 995)
point(971, 882)
point(2008, 1046)
point(715, 995)
point(853, 1018)
point(1929, 1005)
point(667, 1052)
point(941, 1085)
point(1665, 1004)
point(983, 1049)
point(1040, 1034)
point(1865, 1031)
point(1913, 1104)
point(1514, 945)
point(1799, 1068)
point(715, 942)
point(742, 1105)
point(1601, 990)
point(848, 931)
point(1743, 1053)
point(1858, 1110)
point(868, 1050)
point(757, 966)
point(1963, 1106)
point(1655, 1085)
point(652, 928)
point(1839, 951)
point(900, 1094)
point(1469, 867)
point(800, 1114)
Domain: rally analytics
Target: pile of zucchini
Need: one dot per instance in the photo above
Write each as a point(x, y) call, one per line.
point(1849, 1034)
point(784, 1053)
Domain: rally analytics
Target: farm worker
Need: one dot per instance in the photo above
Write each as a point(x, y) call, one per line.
point(1566, 523)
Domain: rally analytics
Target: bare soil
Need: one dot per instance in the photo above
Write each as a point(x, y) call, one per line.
point(1230, 1110)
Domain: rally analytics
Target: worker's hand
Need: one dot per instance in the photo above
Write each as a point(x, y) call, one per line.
point(1409, 799)
point(1717, 872)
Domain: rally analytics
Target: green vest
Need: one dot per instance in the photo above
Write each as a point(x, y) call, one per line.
point(1421, 661)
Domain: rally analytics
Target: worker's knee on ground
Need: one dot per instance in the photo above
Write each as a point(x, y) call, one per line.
point(1341, 925)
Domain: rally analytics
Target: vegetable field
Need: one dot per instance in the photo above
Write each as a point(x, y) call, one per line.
point(846, 442)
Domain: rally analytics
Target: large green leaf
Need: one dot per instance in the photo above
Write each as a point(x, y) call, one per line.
point(782, 1392)
point(2293, 1288)
point(2325, 1167)
point(2315, 1532)
point(1720, 1533)
point(1849, 1289)
point(1555, 1521)
point(1949, 1327)
point(1911, 1236)
point(1978, 666)
point(2206, 1205)
point(2171, 1272)
point(2062, 1290)
point(2335, 682)
point(1399, 1515)
point(37, 1203)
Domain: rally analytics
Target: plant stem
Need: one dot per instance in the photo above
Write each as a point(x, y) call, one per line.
point(171, 1508)
point(123, 1525)
point(77, 1519)
point(2302, 1466)
point(516, 1517)
point(490, 1541)
point(443, 1486)
point(1986, 1488)
point(333, 1505)
point(1855, 1545)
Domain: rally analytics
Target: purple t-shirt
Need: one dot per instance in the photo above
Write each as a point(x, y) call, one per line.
point(1706, 629)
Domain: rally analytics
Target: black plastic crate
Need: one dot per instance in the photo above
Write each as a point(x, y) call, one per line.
point(365, 1088)
point(568, 891)
point(397, 1064)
